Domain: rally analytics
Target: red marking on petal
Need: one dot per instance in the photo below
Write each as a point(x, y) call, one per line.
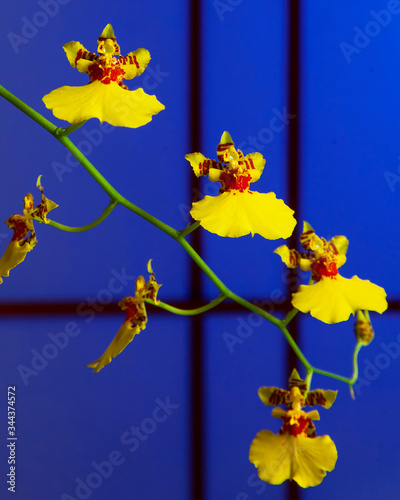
point(106, 74)
point(321, 268)
point(300, 426)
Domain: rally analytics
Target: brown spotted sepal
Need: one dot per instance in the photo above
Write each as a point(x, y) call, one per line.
point(152, 286)
point(272, 396)
point(44, 207)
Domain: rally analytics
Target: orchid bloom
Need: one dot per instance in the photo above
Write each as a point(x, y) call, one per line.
point(237, 211)
point(295, 452)
point(24, 238)
point(331, 298)
point(105, 97)
point(135, 321)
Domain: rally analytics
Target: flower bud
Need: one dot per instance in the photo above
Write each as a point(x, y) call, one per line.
point(363, 328)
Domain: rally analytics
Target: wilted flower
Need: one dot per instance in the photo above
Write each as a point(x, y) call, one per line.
point(135, 321)
point(24, 238)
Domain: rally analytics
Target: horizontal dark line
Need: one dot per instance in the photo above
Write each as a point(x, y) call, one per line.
point(54, 308)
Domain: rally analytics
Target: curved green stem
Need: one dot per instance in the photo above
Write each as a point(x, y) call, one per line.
point(349, 381)
point(80, 229)
point(66, 142)
point(188, 312)
point(66, 131)
point(332, 375)
point(61, 135)
point(357, 349)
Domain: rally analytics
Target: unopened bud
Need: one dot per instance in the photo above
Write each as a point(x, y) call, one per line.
point(363, 328)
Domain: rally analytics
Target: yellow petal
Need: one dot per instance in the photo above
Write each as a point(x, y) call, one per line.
point(226, 139)
point(108, 32)
point(281, 457)
point(332, 300)
point(75, 52)
point(341, 243)
point(123, 337)
point(110, 103)
point(306, 236)
point(225, 146)
point(236, 214)
point(199, 163)
point(83, 65)
point(134, 63)
point(14, 254)
point(289, 257)
point(272, 396)
point(325, 398)
point(255, 161)
point(214, 174)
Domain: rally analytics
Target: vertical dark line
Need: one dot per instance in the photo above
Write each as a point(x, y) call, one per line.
point(293, 170)
point(196, 355)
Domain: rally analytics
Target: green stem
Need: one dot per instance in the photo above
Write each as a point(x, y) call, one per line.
point(190, 228)
point(65, 141)
point(188, 312)
point(309, 377)
point(357, 349)
point(349, 381)
point(61, 135)
point(289, 316)
point(332, 375)
point(80, 229)
point(37, 117)
point(66, 131)
point(295, 347)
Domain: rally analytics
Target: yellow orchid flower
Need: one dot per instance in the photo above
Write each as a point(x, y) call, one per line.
point(237, 211)
point(105, 97)
point(24, 238)
point(135, 321)
point(295, 452)
point(331, 298)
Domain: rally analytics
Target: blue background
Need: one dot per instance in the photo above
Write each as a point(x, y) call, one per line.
point(67, 417)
